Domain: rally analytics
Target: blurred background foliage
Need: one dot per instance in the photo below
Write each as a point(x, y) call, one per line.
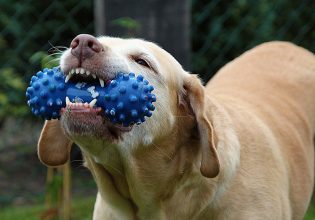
point(222, 30)
point(34, 33)
point(30, 34)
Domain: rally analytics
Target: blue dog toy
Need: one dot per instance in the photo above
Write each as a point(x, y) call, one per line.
point(127, 99)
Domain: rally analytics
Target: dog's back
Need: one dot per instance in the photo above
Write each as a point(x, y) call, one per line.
point(269, 94)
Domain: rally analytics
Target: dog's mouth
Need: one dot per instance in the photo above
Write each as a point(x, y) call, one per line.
point(84, 75)
point(87, 119)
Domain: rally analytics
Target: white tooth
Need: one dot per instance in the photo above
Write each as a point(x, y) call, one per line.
point(92, 103)
point(67, 78)
point(67, 100)
point(87, 72)
point(102, 82)
point(86, 105)
point(94, 76)
point(77, 70)
point(72, 71)
point(82, 70)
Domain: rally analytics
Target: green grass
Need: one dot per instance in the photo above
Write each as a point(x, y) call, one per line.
point(310, 215)
point(82, 209)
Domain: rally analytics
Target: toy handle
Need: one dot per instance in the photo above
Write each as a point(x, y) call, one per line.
point(81, 92)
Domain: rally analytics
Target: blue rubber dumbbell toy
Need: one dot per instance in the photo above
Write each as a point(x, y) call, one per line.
point(46, 93)
point(127, 99)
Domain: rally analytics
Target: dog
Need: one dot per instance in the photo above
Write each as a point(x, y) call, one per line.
point(239, 148)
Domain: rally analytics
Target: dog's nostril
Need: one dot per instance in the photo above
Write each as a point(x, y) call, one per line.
point(90, 44)
point(94, 46)
point(74, 43)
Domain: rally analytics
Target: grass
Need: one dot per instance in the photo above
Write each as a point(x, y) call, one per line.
point(82, 209)
point(310, 215)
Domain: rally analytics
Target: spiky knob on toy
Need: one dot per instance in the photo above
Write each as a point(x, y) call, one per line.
point(127, 99)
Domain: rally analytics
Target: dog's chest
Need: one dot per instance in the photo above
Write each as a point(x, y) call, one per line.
point(182, 200)
point(155, 184)
point(166, 188)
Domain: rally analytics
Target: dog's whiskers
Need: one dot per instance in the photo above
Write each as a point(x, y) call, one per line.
point(62, 47)
point(57, 48)
point(57, 54)
point(53, 60)
point(54, 57)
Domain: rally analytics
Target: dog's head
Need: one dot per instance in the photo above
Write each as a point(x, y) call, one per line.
point(180, 106)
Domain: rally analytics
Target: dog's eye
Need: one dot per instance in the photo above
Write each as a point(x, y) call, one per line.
point(142, 62)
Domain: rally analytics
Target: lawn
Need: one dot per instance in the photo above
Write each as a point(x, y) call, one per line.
point(310, 215)
point(82, 209)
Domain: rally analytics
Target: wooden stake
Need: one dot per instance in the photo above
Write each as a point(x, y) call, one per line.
point(66, 191)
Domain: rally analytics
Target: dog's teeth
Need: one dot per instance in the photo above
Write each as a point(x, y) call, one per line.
point(102, 82)
point(67, 100)
point(68, 77)
point(94, 76)
point(72, 71)
point(86, 105)
point(87, 72)
point(82, 71)
point(77, 70)
point(92, 103)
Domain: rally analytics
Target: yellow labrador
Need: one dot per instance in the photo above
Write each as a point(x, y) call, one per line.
point(239, 148)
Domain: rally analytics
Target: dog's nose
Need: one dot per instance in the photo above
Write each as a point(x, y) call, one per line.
point(85, 46)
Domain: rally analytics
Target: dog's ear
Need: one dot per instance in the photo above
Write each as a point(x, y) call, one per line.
point(53, 146)
point(195, 99)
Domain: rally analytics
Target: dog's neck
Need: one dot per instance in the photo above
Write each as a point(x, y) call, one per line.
point(161, 174)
